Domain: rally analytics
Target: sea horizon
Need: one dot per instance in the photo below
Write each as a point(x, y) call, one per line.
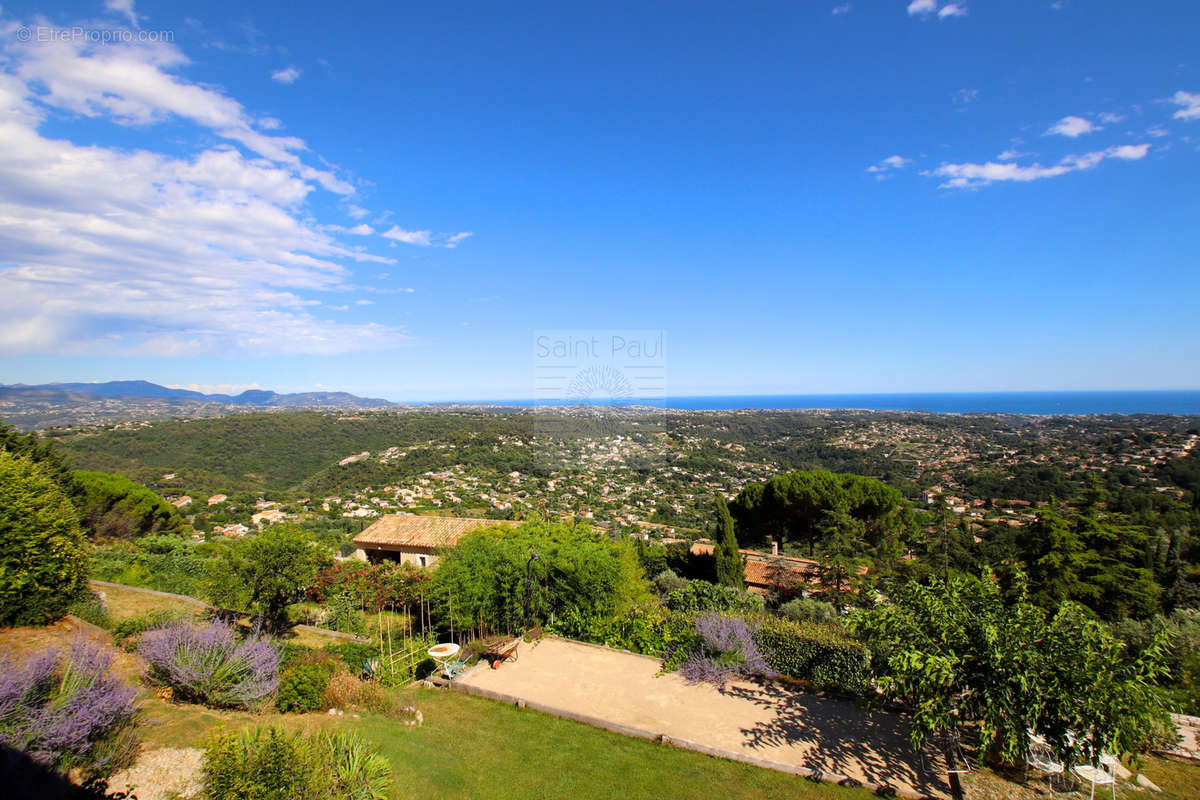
point(1182, 402)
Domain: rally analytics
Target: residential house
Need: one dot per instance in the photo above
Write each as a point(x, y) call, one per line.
point(417, 540)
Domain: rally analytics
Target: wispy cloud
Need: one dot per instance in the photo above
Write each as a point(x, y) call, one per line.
point(453, 241)
point(929, 9)
point(396, 233)
point(356, 212)
point(964, 97)
point(123, 7)
point(287, 75)
point(888, 165)
point(1071, 127)
point(970, 176)
point(840, 10)
point(215, 251)
point(1189, 103)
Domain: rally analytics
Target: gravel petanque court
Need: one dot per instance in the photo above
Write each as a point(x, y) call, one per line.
point(746, 720)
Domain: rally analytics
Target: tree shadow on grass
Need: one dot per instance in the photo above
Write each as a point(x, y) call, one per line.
point(838, 737)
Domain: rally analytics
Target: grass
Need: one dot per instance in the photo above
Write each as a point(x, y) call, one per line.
point(123, 603)
point(472, 747)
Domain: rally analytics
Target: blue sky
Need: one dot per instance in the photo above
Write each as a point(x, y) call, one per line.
point(806, 197)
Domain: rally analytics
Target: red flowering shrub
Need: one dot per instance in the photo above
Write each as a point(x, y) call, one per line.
point(373, 587)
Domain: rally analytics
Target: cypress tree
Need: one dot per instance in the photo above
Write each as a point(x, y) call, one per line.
point(730, 570)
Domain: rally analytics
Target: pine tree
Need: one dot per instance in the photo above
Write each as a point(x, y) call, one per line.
point(730, 570)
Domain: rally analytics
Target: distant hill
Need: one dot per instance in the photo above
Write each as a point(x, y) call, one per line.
point(77, 392)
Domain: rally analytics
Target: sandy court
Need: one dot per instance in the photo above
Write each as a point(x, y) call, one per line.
point(763, 721)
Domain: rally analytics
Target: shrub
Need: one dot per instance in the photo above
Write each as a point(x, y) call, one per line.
point(346, 691)
point(667, 581)
point(496, 584)
point(807, 609)
point(822, 655)
point(727, 649)
point(345, 616)
point(303, 682)
point(132, 627)
point(267, 764)
point(699, 596)
point(670, 637)
point(42, 561)
point(89, 608)
point(353, 654)
point(206, 664)
point(68, 711)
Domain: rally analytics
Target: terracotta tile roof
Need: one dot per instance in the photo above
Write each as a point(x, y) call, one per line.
point(765, 571)
point(409, 530)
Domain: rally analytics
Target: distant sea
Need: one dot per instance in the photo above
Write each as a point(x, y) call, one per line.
point(1139, 402)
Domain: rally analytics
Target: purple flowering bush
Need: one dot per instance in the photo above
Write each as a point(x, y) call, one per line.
point(68, 711)
point(207, 664)
point(727, 649)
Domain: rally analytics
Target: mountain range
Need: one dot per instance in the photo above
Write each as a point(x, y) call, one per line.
point(75, 392)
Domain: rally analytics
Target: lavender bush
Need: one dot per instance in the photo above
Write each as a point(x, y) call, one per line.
point(727, 650)
point(67, 711)
point(207, 664)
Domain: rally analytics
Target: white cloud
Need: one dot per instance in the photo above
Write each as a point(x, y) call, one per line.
point(1189, 103)
point(1157, 131)
point(1072, 127)
point(840, 10)
point(1008, 155)
point(288, 75)
point(123, 7)
point(131, 252)
point(968, 176)
point(357, 213)
point(1111, 118)
point(966, 96)
point(131, 83)
point(452, 242)
point(361, 230)
point(952, 10)
point(364, 302)
point(420, 238)
point(921, 7)
point(889, 164)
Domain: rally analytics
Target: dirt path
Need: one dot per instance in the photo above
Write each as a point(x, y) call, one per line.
point(765, 722)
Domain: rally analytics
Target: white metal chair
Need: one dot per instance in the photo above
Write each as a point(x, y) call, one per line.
point(1040, 757)
point(1099, 776)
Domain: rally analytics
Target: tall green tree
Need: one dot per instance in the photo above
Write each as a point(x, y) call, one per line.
point(844, 545)
point(43, 566)
point(730, 569)
point(956, 653)
point(275, 567)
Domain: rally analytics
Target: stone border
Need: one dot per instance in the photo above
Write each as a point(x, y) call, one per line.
point(883, 790)
point(350, 637)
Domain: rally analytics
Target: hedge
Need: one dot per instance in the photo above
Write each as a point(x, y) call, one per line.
point(818, 654)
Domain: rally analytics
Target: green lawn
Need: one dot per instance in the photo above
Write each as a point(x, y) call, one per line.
point(471, 747)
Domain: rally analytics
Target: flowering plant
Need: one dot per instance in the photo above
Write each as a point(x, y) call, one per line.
point(67, 710)
point(207, 664)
